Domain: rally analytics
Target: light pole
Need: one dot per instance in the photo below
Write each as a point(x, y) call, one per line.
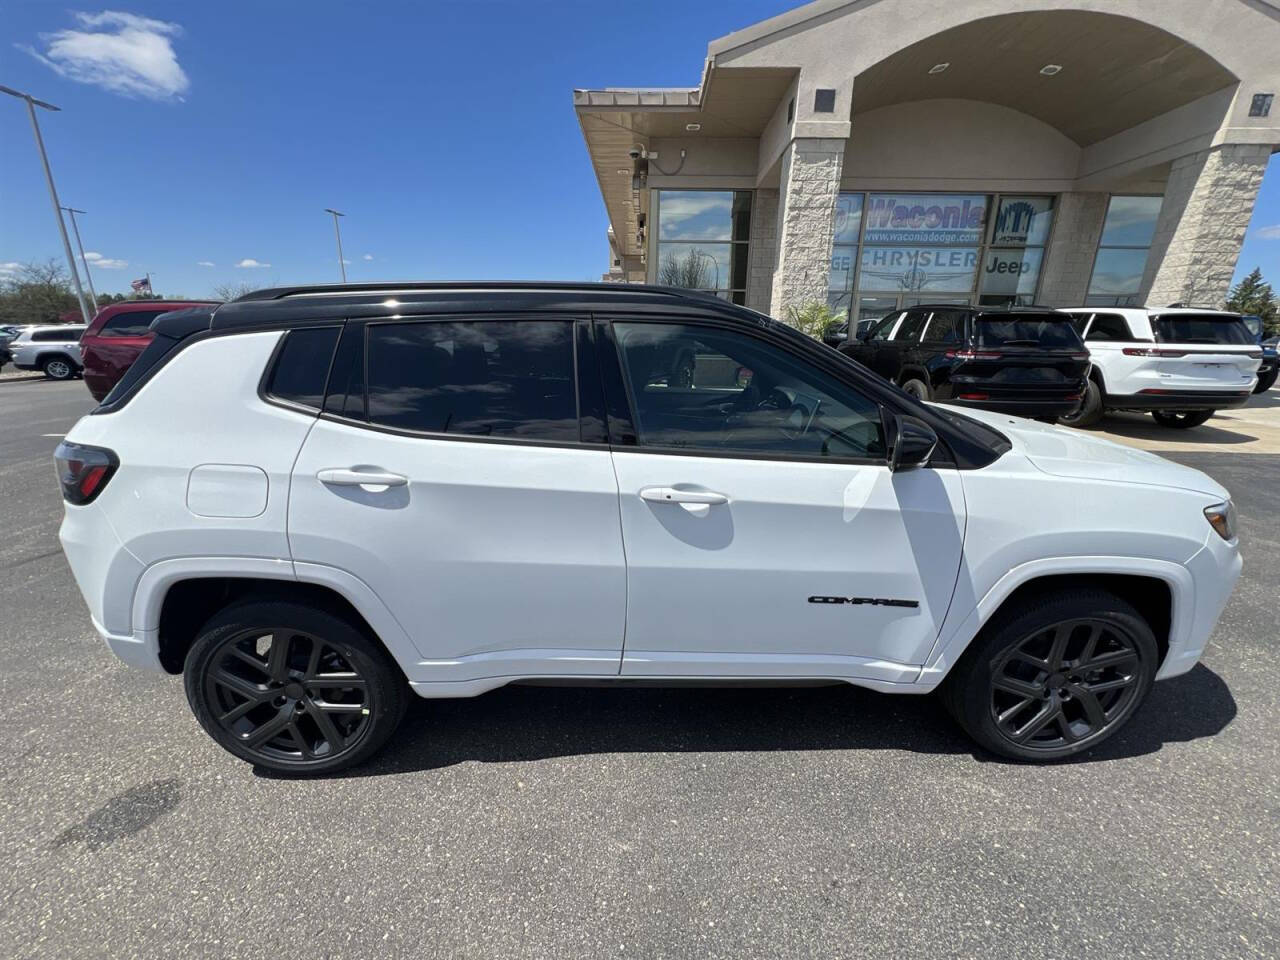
point(338, 233)
point(32, 103)
point(88, 276)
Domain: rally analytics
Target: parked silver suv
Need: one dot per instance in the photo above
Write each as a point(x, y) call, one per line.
point(53, 349)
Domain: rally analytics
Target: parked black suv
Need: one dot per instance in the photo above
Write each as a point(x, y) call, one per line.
point(1026, 361)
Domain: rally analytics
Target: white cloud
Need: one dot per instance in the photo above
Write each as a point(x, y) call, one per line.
point(249, 262)
point(9, 268)
point(95, 259)
point(120, 52)
point(367, 256)
point(1269, 233)
point(347, 262)
point(205, 263)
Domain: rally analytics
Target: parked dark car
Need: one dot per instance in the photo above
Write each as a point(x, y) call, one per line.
point(117, 335)
point(1270, 356)
point(1026, 361)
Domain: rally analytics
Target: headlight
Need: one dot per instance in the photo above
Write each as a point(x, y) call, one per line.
point(1222, 517)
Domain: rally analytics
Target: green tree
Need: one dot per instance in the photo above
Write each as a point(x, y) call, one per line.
point(37, 293)
point(1253, 295)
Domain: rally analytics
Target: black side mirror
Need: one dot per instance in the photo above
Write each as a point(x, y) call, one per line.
point(911, 441)
point(833, 338)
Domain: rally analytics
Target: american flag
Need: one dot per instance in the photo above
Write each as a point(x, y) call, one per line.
point(143, 284)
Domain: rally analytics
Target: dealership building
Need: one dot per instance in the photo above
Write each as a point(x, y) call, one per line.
point(877, 153)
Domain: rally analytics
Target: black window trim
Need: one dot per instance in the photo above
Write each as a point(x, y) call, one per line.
point(465, 317)
point(267, 397)
point(631, 441)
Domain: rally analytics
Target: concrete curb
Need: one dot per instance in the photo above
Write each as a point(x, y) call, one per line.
point(23, 379)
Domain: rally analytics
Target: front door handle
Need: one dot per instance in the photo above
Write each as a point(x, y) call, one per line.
point(346, 477)
point(674, 495)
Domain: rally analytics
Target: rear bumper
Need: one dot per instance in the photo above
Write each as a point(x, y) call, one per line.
point(1023, 407)
point(1180, 400)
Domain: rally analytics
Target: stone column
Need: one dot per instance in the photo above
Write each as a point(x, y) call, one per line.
point(809, 184)
point(1068, 262)
point(763, 249)
point(1207, 205)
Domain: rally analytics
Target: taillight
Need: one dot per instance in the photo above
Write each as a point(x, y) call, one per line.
point(971, 396)
point(83, 471)
point(1152, 352)
point(973, 355)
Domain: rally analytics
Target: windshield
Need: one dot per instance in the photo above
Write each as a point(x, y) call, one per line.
point(1202, 328)
point(1027, 330)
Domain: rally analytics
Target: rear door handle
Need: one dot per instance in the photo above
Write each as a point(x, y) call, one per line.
point(673, 495)
point(345, 477)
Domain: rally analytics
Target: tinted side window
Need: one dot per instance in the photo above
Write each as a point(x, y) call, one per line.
point(62, 335)
point(945, 326)
point(883, 327)
point(712, 390)
point(1109, 326)
point(130, 323)
point(911, 326)
point(491, 378)
point(302, 366)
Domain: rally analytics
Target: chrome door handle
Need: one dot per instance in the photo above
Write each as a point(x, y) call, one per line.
point(345, 477)
point(673, 495)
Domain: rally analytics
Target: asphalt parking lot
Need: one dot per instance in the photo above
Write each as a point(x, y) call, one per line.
point(546, 822)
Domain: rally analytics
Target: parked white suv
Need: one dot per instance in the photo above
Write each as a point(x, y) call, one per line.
point(1179, 364)
point(311, 501)
point(52, 349)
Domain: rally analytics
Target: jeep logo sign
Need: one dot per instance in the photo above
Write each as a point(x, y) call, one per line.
point(1011, 271)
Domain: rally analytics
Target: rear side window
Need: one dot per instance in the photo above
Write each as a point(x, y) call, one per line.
point(63, 335)
point(911, 326)
point(129, 323)
point(490, 378)
point(1201, 328)
point(1023, 330)
point(945, 326)
point(1109, 326)
point(302, 366)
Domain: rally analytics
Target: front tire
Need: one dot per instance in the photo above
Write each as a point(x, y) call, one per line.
point(1054, 675)
point(58, 368)
point(293, 689)
point(1182, 419)
point(1266, 381)
point(917, 388)
point(1091, 407)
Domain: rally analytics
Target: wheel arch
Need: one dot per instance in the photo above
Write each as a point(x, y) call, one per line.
point(45, 356)
point(172, 603)
point(1161, 591)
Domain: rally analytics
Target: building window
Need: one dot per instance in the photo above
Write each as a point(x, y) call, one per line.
point(894, 250)
point(702, 241)
point(1122, 251)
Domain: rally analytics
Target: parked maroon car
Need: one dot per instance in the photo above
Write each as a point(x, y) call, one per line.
point(117, 335)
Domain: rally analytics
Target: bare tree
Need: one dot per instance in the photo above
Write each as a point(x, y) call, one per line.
point(37, 292)
point(232, 290)
point(689, 271)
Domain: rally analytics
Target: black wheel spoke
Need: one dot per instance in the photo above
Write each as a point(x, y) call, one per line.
point(1013, 711)
point(1112, 658)
point(1018, 687)
point(273, 727)
point(1060, 638)
point(241, 686)
point(330, 707)
point(278, 656)
point(303, 747)
point(245, 657)
point(325, 725)
point(1064, 728)
point(1102, 686)
point(234, 714)
point(1095, 634)
point(1093, 711)
point(313, 662)
point(333, 681)
point(1036, 723)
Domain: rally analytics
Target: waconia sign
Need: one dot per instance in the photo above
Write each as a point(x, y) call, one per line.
point(925, 218)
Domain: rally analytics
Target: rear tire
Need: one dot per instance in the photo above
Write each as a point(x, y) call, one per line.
point(917, 388)
point(1054, 675)
point(1091, 408)
point(58, 368)
point(1181, 419)
point(1266, 381)
point(293, 689)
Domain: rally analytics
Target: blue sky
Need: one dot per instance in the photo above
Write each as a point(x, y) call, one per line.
point(444, 131)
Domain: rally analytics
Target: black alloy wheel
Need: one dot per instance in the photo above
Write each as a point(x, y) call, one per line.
point(917, 388)
point(1064, 684)
point(1266, 380)
point(1091, 408)
point(1053, 674)
point(293, 689)
point(1181, 419)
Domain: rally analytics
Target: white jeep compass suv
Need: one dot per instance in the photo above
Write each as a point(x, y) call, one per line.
point(313, 501)
point(1178, 363)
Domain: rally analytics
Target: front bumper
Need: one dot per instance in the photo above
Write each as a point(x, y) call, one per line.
point(1180, 400)
point(1214, 571)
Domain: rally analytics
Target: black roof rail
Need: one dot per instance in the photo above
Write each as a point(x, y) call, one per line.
point(356, 289)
